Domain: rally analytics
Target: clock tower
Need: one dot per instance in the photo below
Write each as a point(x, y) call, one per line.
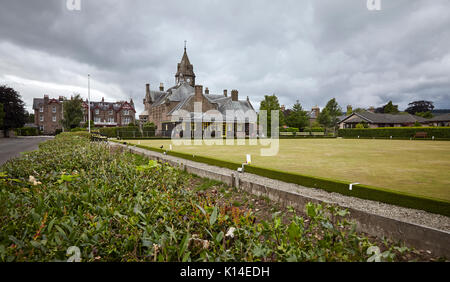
point(185, 70)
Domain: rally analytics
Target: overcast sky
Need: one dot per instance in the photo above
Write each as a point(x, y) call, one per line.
point(306, 50)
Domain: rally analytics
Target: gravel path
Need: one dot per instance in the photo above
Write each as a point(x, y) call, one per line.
point(418, 217)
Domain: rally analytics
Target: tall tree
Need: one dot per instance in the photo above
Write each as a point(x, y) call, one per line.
point(297, 117)
point(29, 117)
point(13, 109)
point(324, 118)
point(419, 107)
point(349, 110)
point(389, 108)
point(73, 113)
point(333, 110)
point(269, 104)
point(2, 115)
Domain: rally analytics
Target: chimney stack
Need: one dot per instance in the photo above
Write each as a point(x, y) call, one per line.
point(225, 93)
point(234, 95)
point(316, 111)
point(61, 98)
point(198, 93)
point(161, 87)
point(103, 99)
point(147, 89)
point(206, 90)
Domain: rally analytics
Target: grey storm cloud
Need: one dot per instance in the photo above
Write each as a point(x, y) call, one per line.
point(311, 50)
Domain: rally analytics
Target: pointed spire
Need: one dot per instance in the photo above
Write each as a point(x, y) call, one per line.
point(185, 70)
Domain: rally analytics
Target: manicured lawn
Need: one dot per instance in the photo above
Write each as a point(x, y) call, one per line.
point(417, 167)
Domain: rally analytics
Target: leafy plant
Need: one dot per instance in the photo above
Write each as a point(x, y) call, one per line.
point(76, 200)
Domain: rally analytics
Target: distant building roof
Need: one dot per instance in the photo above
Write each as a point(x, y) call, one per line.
point(443, 117)
point(385, 118)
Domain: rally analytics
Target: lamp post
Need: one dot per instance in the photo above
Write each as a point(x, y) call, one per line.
point(89, 104)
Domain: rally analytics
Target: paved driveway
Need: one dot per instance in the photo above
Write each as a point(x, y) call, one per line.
point(11, 147)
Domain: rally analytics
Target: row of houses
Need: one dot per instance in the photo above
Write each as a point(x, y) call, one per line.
point(48, 113)
point(374, 120)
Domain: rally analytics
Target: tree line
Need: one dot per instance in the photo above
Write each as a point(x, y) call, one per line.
point(328, 118)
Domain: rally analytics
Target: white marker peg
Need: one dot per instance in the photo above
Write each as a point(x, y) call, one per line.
point(351, 185)
point(170, 147)
point(249, 158)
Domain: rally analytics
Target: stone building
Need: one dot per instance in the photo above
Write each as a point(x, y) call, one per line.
point(48, 114)
point(313, 115)
point(162, 107)
point(109, 114)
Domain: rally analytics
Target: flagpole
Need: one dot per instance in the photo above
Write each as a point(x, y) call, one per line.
point(89, 104)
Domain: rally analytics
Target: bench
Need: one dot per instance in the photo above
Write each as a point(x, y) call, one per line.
point(98, 137)
point(420, 134)
point(302, 133)
point(318, 133)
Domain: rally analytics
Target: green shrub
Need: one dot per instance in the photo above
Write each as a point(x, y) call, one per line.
point(110, 132)
point(317, 129)
point(128, 132)
point(78, 129)
point(27, 131)
point(289, 129)
point(395, 132)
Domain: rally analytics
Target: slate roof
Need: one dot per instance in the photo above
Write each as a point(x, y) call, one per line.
point(386, 118)
point(37, 102)
point(443, 117)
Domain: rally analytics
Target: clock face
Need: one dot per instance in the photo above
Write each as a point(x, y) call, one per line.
point(188, 80)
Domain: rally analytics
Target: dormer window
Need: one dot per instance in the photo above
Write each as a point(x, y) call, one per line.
point(41, 109)
point(97, 111)
point(110, 112)
point(126, 112)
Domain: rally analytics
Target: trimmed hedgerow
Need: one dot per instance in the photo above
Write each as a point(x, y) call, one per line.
point(330, 185)
point(395, 132)
point(27, 131)
point(127, 132)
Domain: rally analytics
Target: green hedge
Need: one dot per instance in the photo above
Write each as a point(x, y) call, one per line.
point(330, 185)
point(395, 132)
point(128, 131)
point(78, 129)
point(27, 131)
point(289, 129)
